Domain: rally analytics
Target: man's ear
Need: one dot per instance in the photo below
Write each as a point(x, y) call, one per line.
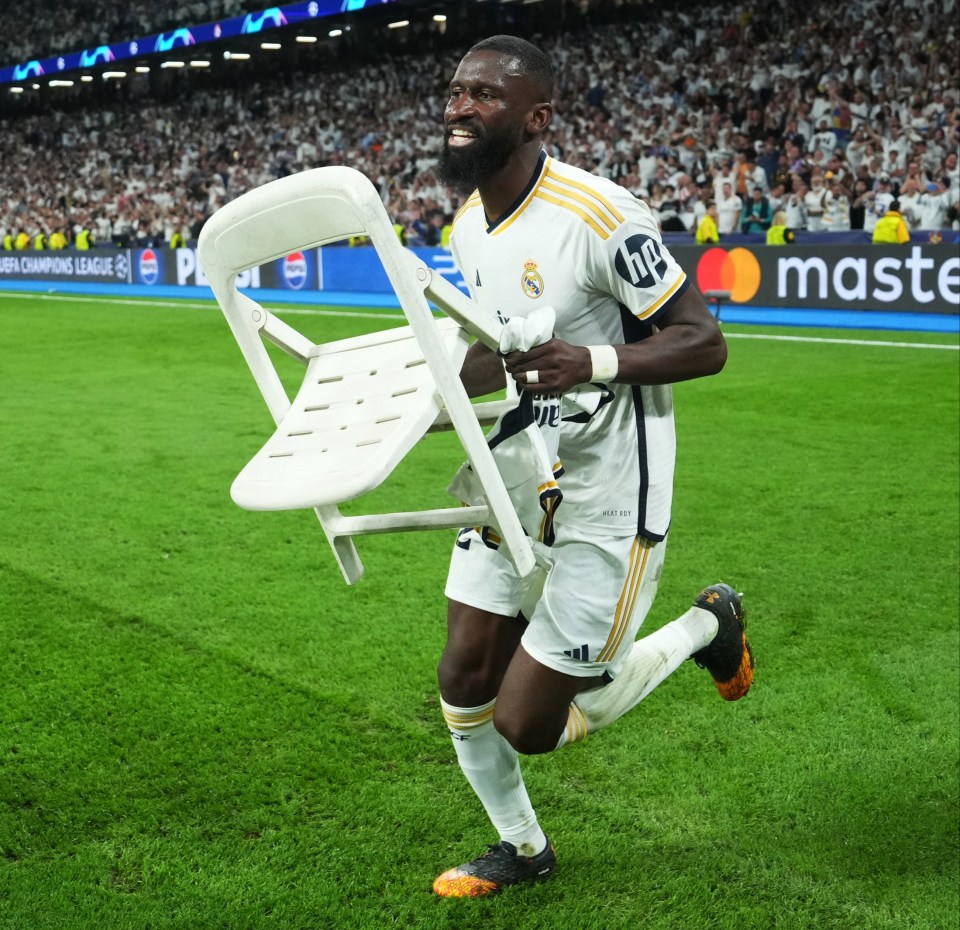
point(540, 117)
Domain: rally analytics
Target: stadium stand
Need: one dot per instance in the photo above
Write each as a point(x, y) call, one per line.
point(831, 110)
point(28, 28)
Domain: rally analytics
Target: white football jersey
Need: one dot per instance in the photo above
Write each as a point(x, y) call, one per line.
point(592, 251)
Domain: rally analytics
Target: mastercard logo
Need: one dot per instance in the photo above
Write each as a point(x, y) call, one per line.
point(737, 271)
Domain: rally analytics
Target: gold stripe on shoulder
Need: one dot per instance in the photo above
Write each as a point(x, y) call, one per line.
point(606, 204)
point(472, 201)
point(586, 201)
point(655, 307)
point(586, 217)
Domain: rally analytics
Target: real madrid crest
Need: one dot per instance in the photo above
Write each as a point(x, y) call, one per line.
point(530, 280)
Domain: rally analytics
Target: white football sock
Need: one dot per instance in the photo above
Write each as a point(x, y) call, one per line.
point(492, 767)
point(650, 660)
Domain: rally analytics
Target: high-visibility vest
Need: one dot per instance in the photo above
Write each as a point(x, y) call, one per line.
point(707, 230)
point(8, 243)
point(83, 240)
point(891, 227)
point(780, 235)
point(58, 240)
point(39, 242)
point(22, 241)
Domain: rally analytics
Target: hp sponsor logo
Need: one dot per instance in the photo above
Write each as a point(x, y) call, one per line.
point(640, 261)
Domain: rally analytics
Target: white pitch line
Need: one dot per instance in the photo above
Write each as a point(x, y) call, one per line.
point(211, 305)
point(391, 314)
point(845, 342)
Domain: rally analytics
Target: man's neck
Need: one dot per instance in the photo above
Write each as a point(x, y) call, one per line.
point(502, 190)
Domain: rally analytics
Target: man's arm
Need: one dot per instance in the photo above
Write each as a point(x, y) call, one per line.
point(482, 371)
point(766, 214)
point(689, 344)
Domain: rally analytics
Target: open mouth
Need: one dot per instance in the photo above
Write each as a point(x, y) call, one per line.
point(459, 136)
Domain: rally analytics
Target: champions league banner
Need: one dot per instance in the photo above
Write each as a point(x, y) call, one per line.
point(147, 268)
point(104, 266)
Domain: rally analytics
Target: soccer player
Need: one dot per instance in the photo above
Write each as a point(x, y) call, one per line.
point(527, 670)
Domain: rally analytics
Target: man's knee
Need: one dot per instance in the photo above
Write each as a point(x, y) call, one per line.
point(467, 678)
point(530, 737)
point(478, 650)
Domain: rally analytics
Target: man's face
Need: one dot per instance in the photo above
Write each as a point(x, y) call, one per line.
point(486, 119)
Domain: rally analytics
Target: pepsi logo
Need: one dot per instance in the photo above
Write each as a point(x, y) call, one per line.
point(295, 270)
point(149, 266)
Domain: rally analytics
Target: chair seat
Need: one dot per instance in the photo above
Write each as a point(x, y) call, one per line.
point(363, 405)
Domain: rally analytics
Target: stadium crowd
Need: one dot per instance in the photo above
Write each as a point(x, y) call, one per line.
point(818, 117)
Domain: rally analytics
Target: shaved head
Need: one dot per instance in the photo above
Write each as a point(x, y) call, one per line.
point(528, 61)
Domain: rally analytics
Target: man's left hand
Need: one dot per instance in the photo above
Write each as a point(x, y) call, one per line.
point(552, 368)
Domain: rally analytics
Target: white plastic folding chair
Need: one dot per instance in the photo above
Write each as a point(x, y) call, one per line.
point(364, 402)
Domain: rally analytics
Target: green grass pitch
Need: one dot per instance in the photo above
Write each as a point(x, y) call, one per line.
point(202, 726)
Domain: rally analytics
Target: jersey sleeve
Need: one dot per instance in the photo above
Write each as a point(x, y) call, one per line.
point(633, 265)
point(455, 253)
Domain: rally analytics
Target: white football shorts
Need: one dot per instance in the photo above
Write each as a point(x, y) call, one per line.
point(584, 613)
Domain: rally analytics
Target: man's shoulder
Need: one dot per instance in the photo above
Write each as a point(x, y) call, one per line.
point(471, 211)
point(601, 203)
point(578, 179)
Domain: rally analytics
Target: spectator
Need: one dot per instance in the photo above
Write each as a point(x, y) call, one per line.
point(729, 208)
point(836, 216)
point(824, 139)
point(757, 215)
point(932, 207)
point(815, 203)
point(909, 198)
point(862, 197)
point(796, 207)
point(879, 203)
point(668, 214)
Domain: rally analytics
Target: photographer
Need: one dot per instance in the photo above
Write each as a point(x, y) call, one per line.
point(757, 215)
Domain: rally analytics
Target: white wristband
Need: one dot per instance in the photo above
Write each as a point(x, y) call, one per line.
point(605, 363)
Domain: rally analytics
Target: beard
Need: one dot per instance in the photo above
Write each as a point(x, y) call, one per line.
point(464, 170)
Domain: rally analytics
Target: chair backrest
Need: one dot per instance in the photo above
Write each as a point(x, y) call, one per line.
point(364, 402)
